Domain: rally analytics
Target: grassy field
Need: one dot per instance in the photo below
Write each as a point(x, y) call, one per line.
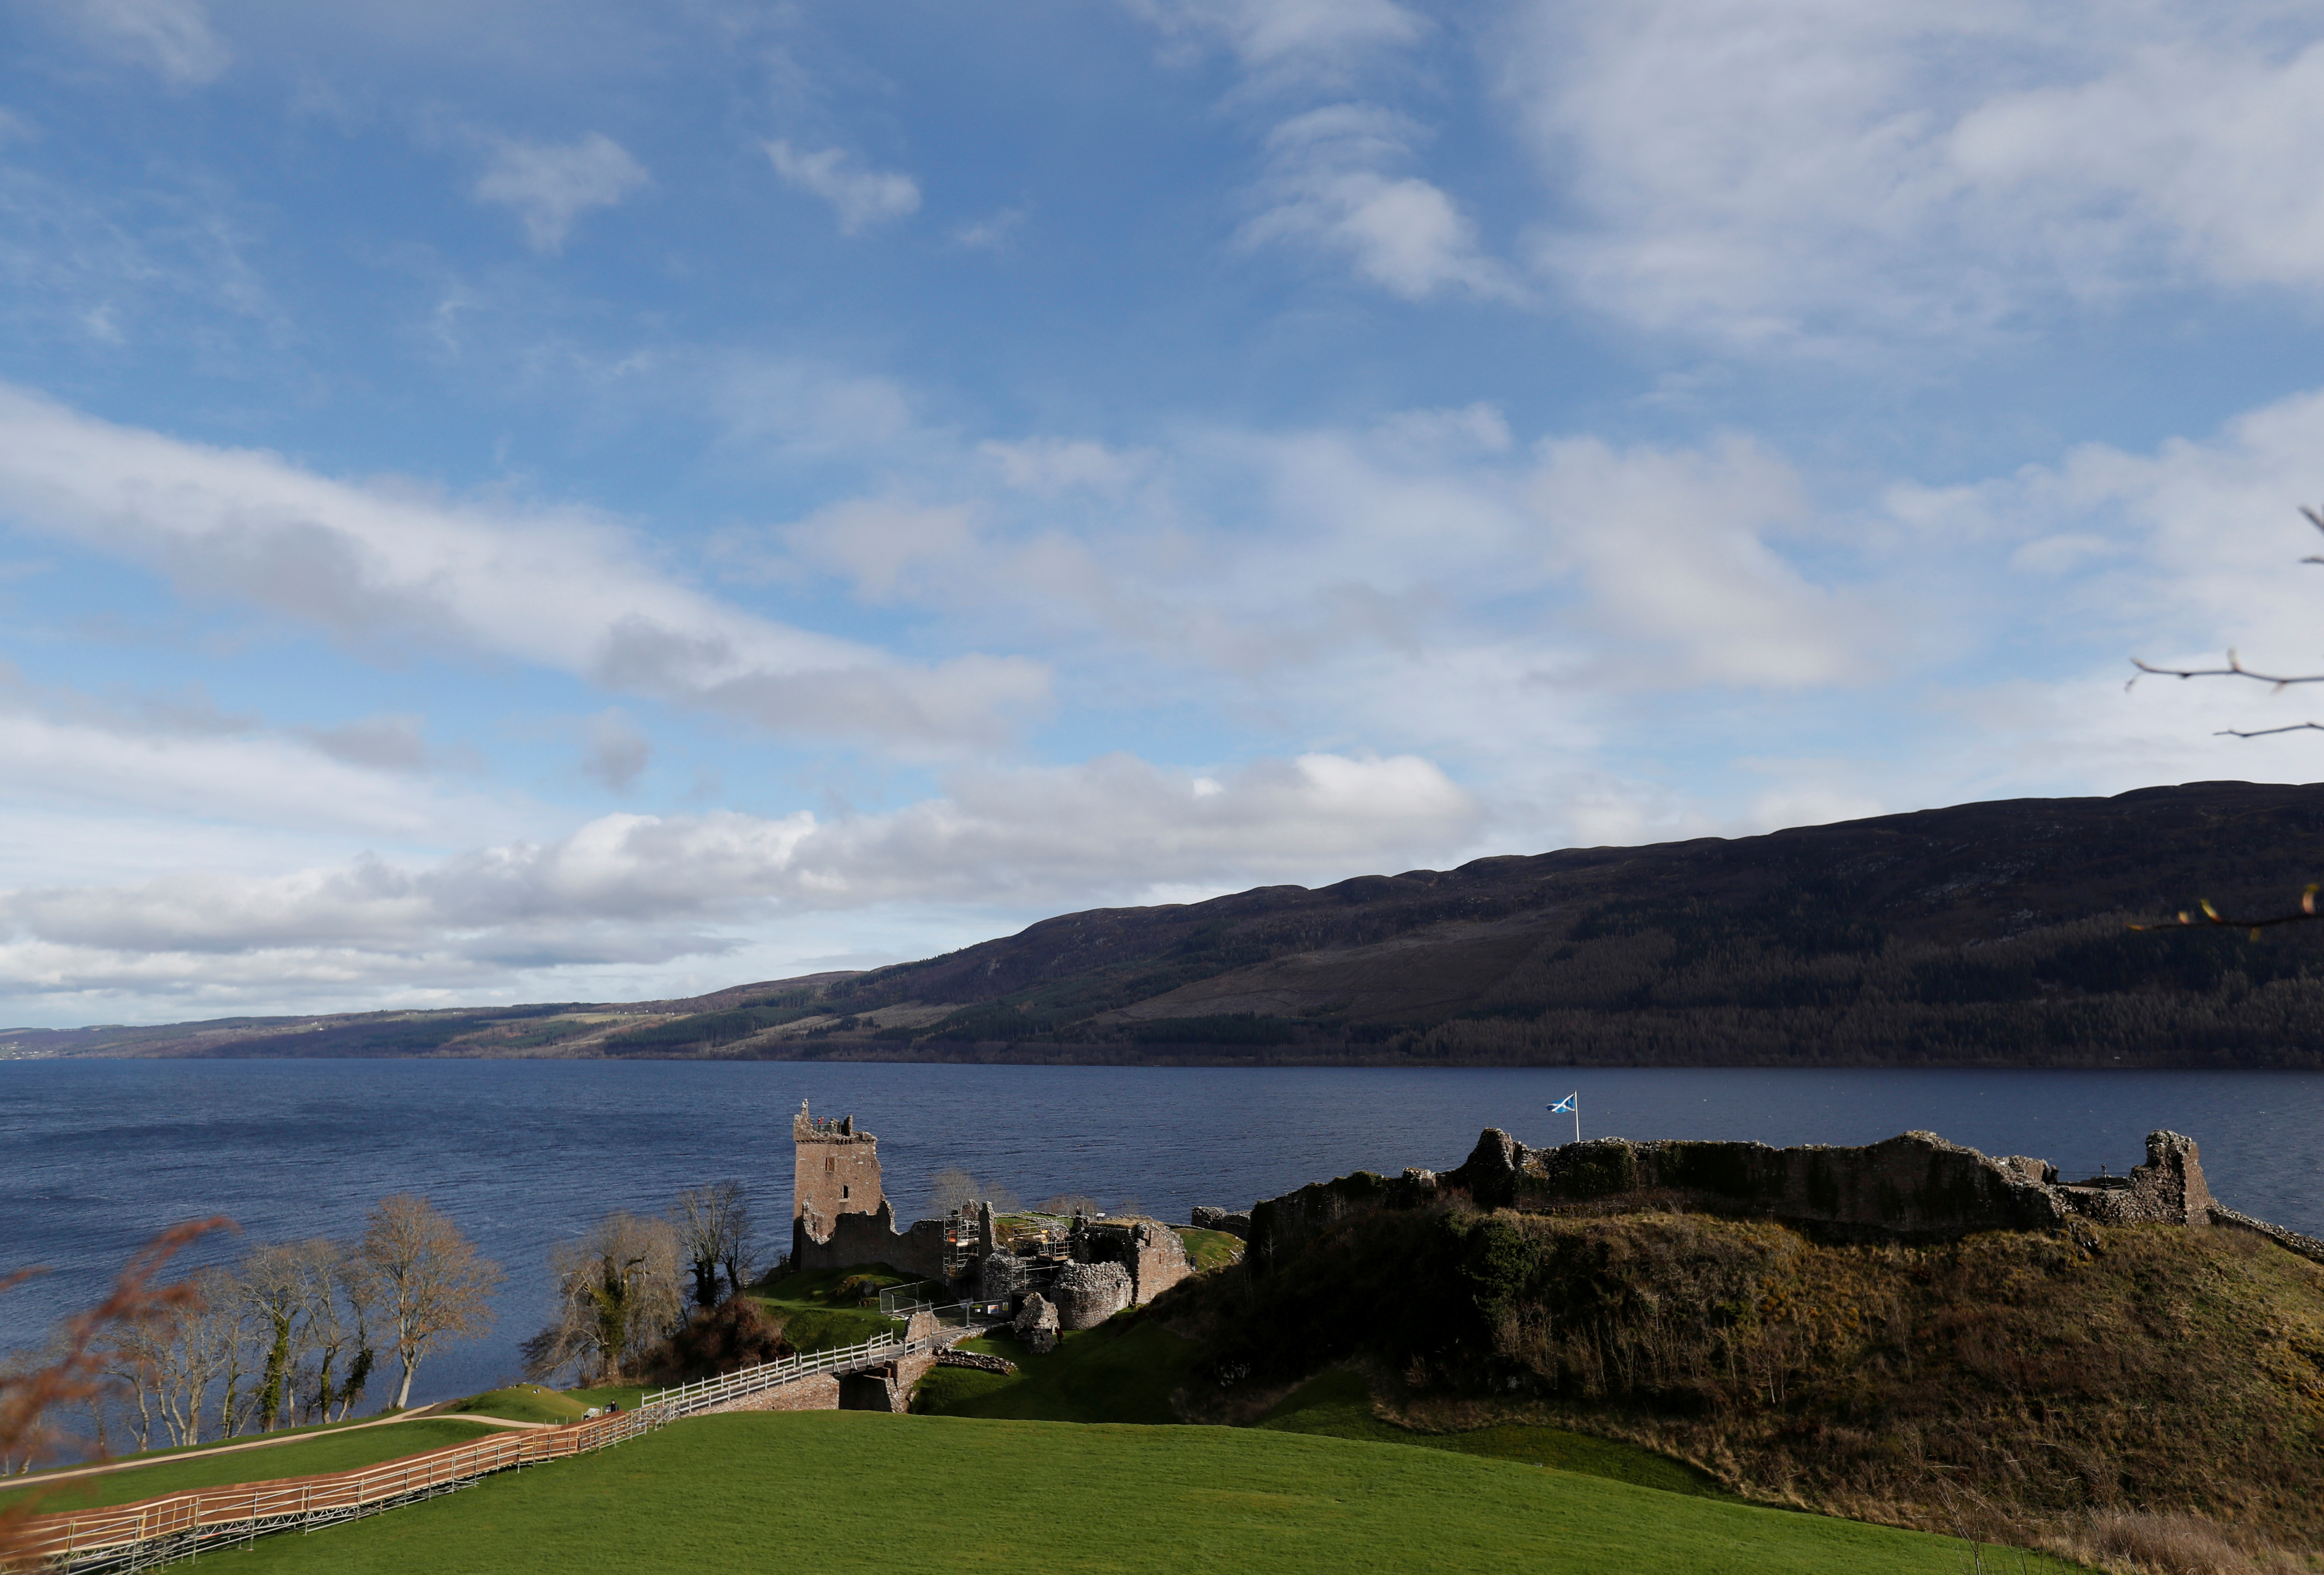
point(755, 1492)
point(1123, 1370)
point(216, 1444)
point(535, 1402)
point(1340, 1406)
point(325, 1451)
point(822, 1309)
point(1210, 1249)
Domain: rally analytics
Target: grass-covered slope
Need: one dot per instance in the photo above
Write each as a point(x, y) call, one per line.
point(1340, 1406)
point(827, 1309)
point(778, 1493)
point(2149, 1367)
point(308, 1456)
point(1123, 1370)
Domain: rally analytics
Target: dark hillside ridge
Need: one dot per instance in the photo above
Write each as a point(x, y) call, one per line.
point(1983, 935)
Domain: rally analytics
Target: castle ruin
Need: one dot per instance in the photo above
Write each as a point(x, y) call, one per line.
point(842, 1218)
point(1913, 1187)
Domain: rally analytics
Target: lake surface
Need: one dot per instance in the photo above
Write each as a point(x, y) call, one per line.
point(97, 1155)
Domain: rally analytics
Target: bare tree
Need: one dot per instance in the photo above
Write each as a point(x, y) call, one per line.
point(952, 1189)
point(2277, 682)
point(431, 1283)
point(617, 1296)
point(331, 1292)
point(1069, 1203)
point(714, 1231)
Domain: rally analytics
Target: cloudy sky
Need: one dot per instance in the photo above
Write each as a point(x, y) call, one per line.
point(516, 501)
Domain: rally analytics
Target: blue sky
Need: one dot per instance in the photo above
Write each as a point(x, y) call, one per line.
point(509, 500)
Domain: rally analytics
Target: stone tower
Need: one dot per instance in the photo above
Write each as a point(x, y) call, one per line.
point(837, 1172)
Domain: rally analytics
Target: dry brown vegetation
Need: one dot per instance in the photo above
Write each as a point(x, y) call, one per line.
point(2141, 1393)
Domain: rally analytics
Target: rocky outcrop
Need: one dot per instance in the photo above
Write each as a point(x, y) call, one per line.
point(1088, 1293)
point(1037, 1325)
point(1208, 1219)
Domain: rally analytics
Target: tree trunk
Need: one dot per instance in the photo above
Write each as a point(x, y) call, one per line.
point(403, 1390)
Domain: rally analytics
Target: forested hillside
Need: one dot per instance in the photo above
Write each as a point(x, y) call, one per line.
point(1986, 934)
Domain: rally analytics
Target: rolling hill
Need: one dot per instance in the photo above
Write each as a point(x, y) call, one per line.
point(1982, 934)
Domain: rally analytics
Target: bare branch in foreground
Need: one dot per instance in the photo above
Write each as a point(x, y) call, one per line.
point(2211, 916)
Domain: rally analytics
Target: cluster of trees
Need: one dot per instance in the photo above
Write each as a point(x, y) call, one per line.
point(294, 1331)
point(624, 1286)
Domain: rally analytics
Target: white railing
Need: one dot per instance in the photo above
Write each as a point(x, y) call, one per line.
point(706, 1393)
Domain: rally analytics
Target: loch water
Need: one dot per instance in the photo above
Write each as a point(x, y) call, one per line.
point(97, 1155)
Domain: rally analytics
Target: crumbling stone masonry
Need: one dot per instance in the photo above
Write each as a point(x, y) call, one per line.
point(1912, 1187)
point(1088, 1293)
point(835, 1172)
point(1153, 1255)
point(840, 1213)
point(1037, 1325)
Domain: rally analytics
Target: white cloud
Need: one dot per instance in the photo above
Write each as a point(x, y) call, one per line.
point(1672, 546)
point(219, 771)
point(171, 36)
point(645, 888)
point(879, 543)
point(858, 196)
point(376, 567)
point(1307, 36)
point(1330, 184)
point(551, 184)
point(1813, 167)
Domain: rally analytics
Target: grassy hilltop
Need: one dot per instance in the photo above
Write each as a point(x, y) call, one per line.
point(1980, 935)
point(2024, 1381)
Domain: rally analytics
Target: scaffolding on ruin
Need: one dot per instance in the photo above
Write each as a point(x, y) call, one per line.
point(964, 1243)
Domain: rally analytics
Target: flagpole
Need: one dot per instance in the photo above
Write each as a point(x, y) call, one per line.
point(1577, 1116)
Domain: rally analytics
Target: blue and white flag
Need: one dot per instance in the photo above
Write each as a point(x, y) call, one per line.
point(1566, 1105)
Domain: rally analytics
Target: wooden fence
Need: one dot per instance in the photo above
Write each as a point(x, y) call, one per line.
point(158, 1531)
point(154, 1532)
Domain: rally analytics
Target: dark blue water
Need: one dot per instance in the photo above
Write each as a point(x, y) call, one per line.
point(97, 1155)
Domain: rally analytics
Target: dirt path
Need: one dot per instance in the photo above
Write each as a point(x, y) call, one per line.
point(10, 1483)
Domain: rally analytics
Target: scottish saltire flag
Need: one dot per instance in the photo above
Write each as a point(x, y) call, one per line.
point(1566, 1105)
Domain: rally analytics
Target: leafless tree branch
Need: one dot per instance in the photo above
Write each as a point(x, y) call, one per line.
point(2211, 916)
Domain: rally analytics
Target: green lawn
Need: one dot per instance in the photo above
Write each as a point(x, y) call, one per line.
point(535, 1402)
point(327, 1452)
point(767, 1492)
point(214, 1443)
point(818, 1313)
point(1210, 1249)
point(1340, 1406)
point(1123, 1370)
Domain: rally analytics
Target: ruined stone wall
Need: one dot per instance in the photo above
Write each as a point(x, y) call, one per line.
point(1914, 1187)
point(867, 1238)
point(1153, 1255)
point(834, 1174)
point(1088, 1293)
point(2307, 1247)
point(1280, 1227)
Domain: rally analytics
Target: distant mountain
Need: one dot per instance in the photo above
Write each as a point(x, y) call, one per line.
point(1983, 935)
